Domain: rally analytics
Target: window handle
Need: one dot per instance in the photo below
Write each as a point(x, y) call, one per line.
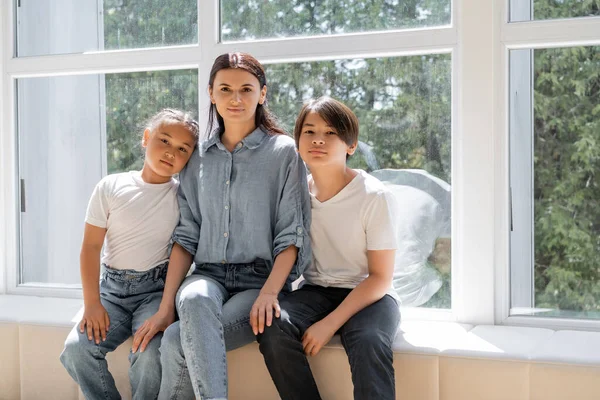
point(22, 195)
point(510, 207)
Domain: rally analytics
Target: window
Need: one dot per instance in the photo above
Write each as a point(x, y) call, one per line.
point(72, 131)
point(79, 108)
point(77, 26)
point(403, 105)
point(552, 9)
point(247, 20)
point(555, 154)
point(489, 108)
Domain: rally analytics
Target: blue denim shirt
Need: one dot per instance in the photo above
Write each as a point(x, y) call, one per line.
point(247, 204)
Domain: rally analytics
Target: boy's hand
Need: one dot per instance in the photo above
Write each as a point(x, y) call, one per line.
point(262, 311)
point(95, 319)
point(156, 323)
point(317, 336)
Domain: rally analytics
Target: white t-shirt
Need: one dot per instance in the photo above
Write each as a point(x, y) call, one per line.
point(359, 218)
point(139, 218)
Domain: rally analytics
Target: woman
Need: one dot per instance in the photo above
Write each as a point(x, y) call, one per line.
point(245, 214)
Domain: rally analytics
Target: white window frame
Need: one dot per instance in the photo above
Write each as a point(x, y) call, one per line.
point(478, 39)
point(539, 34)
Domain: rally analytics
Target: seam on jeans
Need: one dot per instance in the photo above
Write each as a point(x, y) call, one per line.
point(102, 377)
point(236, 325)
point(112, 329)
point(178, 385)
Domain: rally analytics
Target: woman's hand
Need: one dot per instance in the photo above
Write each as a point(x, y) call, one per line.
point(95, 319)
point(262, 311)
point(156, 323)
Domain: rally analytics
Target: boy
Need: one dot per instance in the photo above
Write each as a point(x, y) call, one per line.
point(348, 286)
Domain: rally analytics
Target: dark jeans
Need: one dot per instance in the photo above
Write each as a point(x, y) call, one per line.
point(367, 338)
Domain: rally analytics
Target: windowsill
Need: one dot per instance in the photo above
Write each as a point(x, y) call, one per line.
point(451, 339)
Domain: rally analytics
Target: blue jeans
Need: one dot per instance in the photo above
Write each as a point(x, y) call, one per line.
point(214, 305)
point(367, 338)
point(129, 297)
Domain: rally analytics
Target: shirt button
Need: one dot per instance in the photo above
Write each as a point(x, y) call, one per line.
point(238, 146)
point(225, 234)
point(223, 261)
point(227, 182)
point(299, 230)
point(227, 207)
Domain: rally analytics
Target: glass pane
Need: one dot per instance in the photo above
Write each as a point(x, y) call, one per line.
point(565, 190)
point(403, 105)
point(76, 26)
point(73, 130)
point(527, 10)
point(245, 20)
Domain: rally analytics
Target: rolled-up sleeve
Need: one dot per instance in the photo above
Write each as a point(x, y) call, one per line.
point(187, 232)
point(292, 224)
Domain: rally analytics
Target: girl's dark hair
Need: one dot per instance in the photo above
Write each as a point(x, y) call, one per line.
point(177, 116)
point(335, 113)
point(246, 62)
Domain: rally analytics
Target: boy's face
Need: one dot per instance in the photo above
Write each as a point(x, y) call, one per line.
point(168, 148)
point(320, 145)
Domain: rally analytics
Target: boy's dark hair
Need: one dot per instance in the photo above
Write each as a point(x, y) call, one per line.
point(335, 113)
point(246, 62)
point(177, 116)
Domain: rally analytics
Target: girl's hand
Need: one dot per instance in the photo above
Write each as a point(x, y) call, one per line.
point(95, 319)
point(317, 336)
point(156, 323)
point(262, 311)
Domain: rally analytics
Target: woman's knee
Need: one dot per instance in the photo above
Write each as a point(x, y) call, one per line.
point(170, 344)
point(199, 297)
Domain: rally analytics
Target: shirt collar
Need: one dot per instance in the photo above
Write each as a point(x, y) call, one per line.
point(251, 141)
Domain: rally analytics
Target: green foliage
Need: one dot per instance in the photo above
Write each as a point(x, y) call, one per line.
point(553, 9)
point(255, 19)
point(403, 104)
point(132, 24)
point(131, 99)
point(567, 188)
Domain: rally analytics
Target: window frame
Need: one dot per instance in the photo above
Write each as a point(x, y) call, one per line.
point(441, 39)
point(527, 35)
point(479, 39)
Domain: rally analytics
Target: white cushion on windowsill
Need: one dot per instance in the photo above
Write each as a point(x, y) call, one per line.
point(415, 337)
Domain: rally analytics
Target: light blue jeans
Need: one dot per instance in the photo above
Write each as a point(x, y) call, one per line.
point(214, 305)
point(129, 297)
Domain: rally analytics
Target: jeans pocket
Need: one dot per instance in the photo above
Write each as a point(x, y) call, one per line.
point(261, 270)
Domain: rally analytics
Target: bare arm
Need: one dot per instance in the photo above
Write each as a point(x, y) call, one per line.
point(372, 289)
point(262, 310)
point(95, 318)
point(179, 264)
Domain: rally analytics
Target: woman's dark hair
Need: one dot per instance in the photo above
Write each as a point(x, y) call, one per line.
point(335, 113)
point(246, 62)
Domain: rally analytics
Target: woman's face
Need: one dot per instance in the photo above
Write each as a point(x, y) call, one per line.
point(236, 94)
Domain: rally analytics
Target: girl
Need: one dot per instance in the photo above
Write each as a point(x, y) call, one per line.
point(245, 214)
point(133, 215)
point(348, 286)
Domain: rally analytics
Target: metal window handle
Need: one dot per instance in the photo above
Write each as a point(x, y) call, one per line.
point(22, 195)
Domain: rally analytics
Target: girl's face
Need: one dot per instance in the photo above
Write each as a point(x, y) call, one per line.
point(236, 94)
point(320, 145)
point(168, 148)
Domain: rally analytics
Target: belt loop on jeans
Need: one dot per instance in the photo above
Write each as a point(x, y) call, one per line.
point(157, 272)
